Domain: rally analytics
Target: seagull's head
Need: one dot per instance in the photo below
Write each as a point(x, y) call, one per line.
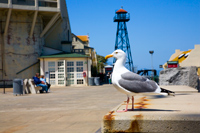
point(117, 54)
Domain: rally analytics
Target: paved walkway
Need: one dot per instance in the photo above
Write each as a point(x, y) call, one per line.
point(157, 113)
point(65, 109)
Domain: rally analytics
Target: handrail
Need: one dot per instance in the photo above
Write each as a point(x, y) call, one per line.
point(121, 17)
point(42, 3)
point(4, 81)
point(27, 67)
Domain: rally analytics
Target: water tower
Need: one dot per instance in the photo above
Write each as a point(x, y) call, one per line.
point(122, 40)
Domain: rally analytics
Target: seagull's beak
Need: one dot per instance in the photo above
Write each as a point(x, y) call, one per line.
point(108, 56)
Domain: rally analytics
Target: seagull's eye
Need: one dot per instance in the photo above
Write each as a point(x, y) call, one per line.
point(116, 52)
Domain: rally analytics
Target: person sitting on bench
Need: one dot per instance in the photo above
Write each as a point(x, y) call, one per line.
point(42, 78)
point(38, 82)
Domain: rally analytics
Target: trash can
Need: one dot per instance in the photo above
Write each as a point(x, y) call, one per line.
point(97, 80)
point(17, 86)
point(91, 81)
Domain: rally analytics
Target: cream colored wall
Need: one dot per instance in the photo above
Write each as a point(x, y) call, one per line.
point(193, 59)
point(86, 66)
point(77, 44)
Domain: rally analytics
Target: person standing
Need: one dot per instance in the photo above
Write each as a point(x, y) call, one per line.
point(108, 76)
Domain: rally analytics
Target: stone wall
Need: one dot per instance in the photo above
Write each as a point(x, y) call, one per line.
point(19, 49)
point(179, 76)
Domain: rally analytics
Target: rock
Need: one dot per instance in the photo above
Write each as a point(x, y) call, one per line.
point(179, 76)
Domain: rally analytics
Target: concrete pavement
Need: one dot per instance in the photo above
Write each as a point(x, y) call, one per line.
point(65, 109)
point(158, 113)
point(81, 109)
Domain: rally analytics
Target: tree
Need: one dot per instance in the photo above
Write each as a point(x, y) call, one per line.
point(101, 62)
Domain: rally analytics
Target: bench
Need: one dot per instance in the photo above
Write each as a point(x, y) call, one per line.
point(33, 88)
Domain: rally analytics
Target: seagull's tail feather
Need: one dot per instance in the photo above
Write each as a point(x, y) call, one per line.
point(167, 92)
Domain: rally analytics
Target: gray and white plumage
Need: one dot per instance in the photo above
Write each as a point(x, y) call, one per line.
point(128, 82)
point(136, 83)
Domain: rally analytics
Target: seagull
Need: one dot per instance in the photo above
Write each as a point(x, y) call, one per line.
point(131, 83)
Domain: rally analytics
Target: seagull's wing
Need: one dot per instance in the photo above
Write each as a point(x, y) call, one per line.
point(133, 76)
point(136, 83)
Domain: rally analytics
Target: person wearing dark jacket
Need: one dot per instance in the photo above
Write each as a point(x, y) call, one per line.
point(38, 82)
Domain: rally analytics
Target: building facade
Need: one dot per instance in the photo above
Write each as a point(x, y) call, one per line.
point(80, 44)
point(30, 30)
point(66, 69)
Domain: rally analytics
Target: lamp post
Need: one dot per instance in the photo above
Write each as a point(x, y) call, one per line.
point(151, 52)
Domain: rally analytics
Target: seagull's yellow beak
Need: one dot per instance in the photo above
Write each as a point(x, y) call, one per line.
point(108, 56)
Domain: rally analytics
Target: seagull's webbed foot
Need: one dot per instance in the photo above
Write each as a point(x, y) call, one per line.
point(125, 110)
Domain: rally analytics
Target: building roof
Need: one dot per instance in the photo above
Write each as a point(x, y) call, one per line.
point(83, 38)
point(121, 11)
point(86, 47)
point(71, 55)
point(108, 66)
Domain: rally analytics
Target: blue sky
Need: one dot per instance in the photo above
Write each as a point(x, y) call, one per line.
point(159, 25)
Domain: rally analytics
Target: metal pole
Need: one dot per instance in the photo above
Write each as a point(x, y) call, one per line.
point(152, 67)
point(152, 61)
point(87, 72)
point(4, 87)
point(151, 52)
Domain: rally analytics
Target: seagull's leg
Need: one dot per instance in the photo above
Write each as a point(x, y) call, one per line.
point(132, 103)
point(126, 106)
